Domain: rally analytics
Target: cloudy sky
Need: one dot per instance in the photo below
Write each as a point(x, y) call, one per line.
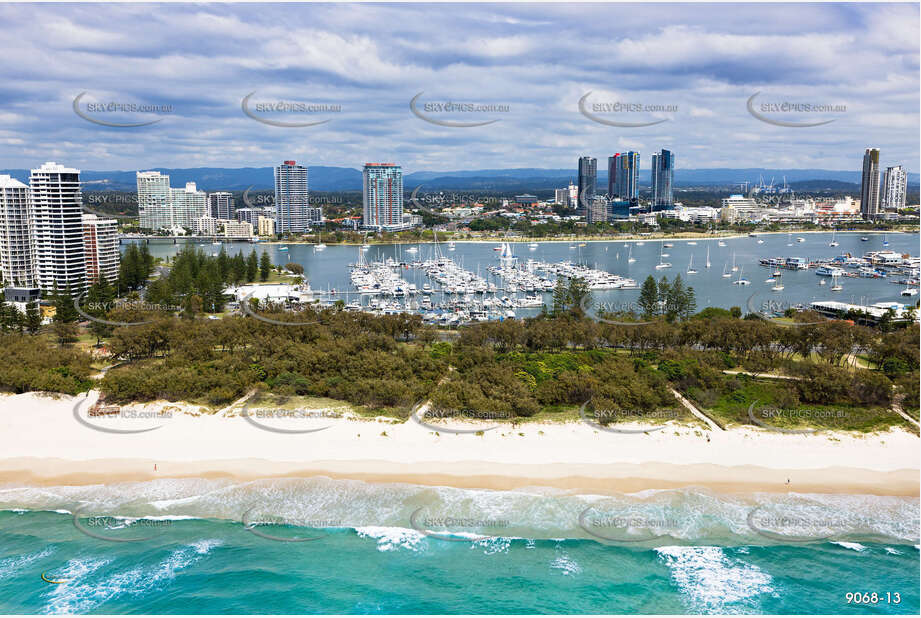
point(530, 64)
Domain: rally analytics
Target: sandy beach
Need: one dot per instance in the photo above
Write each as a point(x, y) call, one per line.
point(43, 443)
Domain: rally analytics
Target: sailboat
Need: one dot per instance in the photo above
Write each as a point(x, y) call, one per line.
point(630, 258)
point(708, 257)
point(721, 244)
point(690, 269)
point(835, 287)
point(777, 287)
point(833, 243)
point(740, 280)
point(451, 246)
point(734, 267)
point(319, 246)
point(789, 239)
point(662, 264)
point(885, 240)
point(726, 273)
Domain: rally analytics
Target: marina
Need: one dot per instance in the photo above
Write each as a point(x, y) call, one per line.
point(478, 279)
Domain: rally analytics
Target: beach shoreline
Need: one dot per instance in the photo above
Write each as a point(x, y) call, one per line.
point(50, 441)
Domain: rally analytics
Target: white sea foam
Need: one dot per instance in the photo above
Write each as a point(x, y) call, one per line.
point(893, 552)
point(13, 565)
point(846, 545)
point(392, 539)
point(566, 565)
point(711, 582)
point(81, 593)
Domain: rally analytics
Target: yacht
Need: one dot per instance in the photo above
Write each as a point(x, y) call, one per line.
point(726, 273)
point(630, 258)
point(821, 281)
point(707, 263)
point(777, 287)
point(319, 246)
point(789, 239)
point(909, 291)
point(662, 264)
point(283, 248)
point(760, 242)
point(833, 243)
point(734, 267)
point(721, 244)
point(828, 271)
point(668, 245)
point(451, 246)
point(835, 287)
point(800, 239)
point(885, 240)
point(692, 243)
point(770, 280)
point(864, 238)
point(740, 280)
point(412, 250)
point(532, 246)
point(690, 269)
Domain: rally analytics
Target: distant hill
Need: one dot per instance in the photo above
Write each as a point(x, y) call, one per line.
point(507, 180)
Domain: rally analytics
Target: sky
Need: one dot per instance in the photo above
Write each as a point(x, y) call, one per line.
point(529, 65)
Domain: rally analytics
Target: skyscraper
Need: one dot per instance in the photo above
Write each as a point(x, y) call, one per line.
point(100, 242)
point(382, 195)
point(17, 251)
point(187, 206)
point(869, 184)
point(662, 180)
point(57, 215)
point(292, 198)
point(588, 175)
point(624, 176)
point(895, 184)
point(220, 205)
point(154, 201)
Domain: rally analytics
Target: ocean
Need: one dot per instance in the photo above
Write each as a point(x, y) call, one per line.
point(318, 545)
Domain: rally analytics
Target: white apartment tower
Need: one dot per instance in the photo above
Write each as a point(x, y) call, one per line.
point(154, 201)
point(382, 196)
point(17, 251)
point(292, 199)
point(188, 206)
point(100, 241)
point(895, 184)
point(221, 205)
point(57, 228)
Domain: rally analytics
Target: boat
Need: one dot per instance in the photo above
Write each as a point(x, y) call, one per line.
point(770, 280)
point(668, 245)
point(822, 282)
point(734, 267)
point(910, 291)
point(319, 246)
point(662, 264)
point(777, 287)
point(864, 238)
point(721, 244)
point(412, 250)
point(885, 240)
point(707, 263)
point(740, 280)
point(630, 258)
point(776, 273)
point(451, 246)
point(572, 246)
point(216, 244)
point(789, 239)
point(835, 287)
point(640, 243)
point(690, 269)
point(581, 244)
point(760, 242)
point(800, 239)
point(692, 243)
point(726, 273)
point(828, 271)
point(833, 243)
point(283, 248)
point(532, 246)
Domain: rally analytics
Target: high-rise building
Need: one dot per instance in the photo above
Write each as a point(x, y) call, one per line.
point(561, 196)
point(17, 250)
point(187, 205)
point(662, 180)
point(100, 243)
point(869, 184)
point(382, 196)
point(250, 215)
point(154, 201)
point(597, 212)
point(265, 226)
point(220, 205)
point(895, 184)
point(57, 216)
point(292, 199)
point(588, 177)
point(624, 176)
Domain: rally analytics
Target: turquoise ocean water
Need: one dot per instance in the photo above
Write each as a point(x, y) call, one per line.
point(334, 546)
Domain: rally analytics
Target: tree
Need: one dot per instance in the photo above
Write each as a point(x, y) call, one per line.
point(560, 297)
point(252, 266)
point(649, 297)
point(265, 266)
point(33, 319)
point(580, 296)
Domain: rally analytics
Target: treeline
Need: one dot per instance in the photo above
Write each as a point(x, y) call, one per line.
point(196, 281)
point(33, 364)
